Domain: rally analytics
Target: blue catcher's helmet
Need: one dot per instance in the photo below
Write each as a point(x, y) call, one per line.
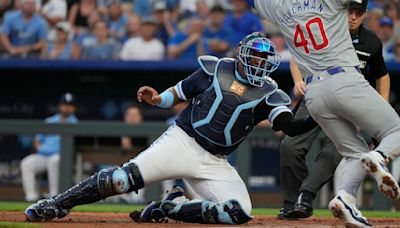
point(259, 57)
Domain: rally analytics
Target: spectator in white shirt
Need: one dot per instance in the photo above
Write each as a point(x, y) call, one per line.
point(145, 47)
point(54, 11)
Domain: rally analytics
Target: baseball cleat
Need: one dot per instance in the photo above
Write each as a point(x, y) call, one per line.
point(153, 213)
point(303, 207)
point(286, 214)
point(343, 207)
point(375, 164)
point(44, 210)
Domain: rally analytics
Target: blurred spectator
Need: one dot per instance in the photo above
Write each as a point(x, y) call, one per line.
point(99, 46)
point(280, 44)
point(24, 32)
point(143, 8)
point(54, 11)
point(392, 9)
point(202, 9)
point(132, 28)
point(145, 47)
point(242, 21)
point(190, 7)
point(376, 4)
point(133, 115)
point(115, 19)
point(187, 44)
point(79, 14)
point(63, 48)
point(94, 17)
point(396, 51)
point(166, 21)
point(5, 5)
point(386, 35)
point(373, 20)
point(48, 153)
point(217, 38)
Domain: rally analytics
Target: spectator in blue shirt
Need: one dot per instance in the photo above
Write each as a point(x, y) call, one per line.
point(167, 21)
point(48, 152)
point(217, 38)
point(24, 32)
point(187, 45)
point(99, 46)
point(115, 19)
point(242, 21)
point(63, 47)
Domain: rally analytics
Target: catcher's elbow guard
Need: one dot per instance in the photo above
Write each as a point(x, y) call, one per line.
point(116, 180)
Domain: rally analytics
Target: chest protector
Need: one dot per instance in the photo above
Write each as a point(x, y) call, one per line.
point(224, 113)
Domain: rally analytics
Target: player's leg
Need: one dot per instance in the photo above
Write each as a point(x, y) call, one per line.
point(293, 169)
point(364, 107)
point(30, 167)
point(154, 164)
point(191, 192)
point(348, 142)
point(321, 171)
point(53, 173)
point(351, 145)
point(375, 116)
point(344, 205)
point(225, 203)
point(226, 200)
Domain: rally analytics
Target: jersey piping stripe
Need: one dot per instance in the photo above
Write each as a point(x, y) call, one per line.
point(363, 53)
point(179, 91)
point(234, 117)
point(215, 105)
point(276, 111)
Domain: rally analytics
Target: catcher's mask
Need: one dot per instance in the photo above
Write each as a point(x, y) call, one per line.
point(259, 58)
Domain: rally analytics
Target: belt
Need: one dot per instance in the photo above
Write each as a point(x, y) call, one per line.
point(330, 71)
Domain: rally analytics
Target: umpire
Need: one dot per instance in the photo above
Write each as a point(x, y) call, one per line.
point(300, 187)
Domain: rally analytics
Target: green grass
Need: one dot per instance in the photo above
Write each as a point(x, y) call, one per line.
point(18, 225)
point(125, 208)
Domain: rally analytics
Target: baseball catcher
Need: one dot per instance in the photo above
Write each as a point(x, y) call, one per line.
point(228, 98)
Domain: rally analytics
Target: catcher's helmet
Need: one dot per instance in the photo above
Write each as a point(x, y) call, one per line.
point(258, 55)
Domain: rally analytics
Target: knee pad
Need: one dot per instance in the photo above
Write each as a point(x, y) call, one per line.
point(117, 180)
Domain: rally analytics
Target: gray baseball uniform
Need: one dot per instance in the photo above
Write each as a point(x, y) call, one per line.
point(338, 97)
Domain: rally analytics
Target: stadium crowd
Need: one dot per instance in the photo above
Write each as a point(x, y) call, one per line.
point(151, 30)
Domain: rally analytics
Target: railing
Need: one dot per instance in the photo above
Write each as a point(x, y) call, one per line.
point(150, 130)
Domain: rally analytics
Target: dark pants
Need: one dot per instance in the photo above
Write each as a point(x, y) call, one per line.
point(294, 174)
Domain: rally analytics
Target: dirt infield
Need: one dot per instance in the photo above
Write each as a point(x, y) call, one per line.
point(121, 220)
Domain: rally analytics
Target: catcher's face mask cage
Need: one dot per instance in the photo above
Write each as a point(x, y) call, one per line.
point(257, 54)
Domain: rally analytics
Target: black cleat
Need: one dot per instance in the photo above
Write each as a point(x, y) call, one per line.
point(303, 207)
point(286, 214)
